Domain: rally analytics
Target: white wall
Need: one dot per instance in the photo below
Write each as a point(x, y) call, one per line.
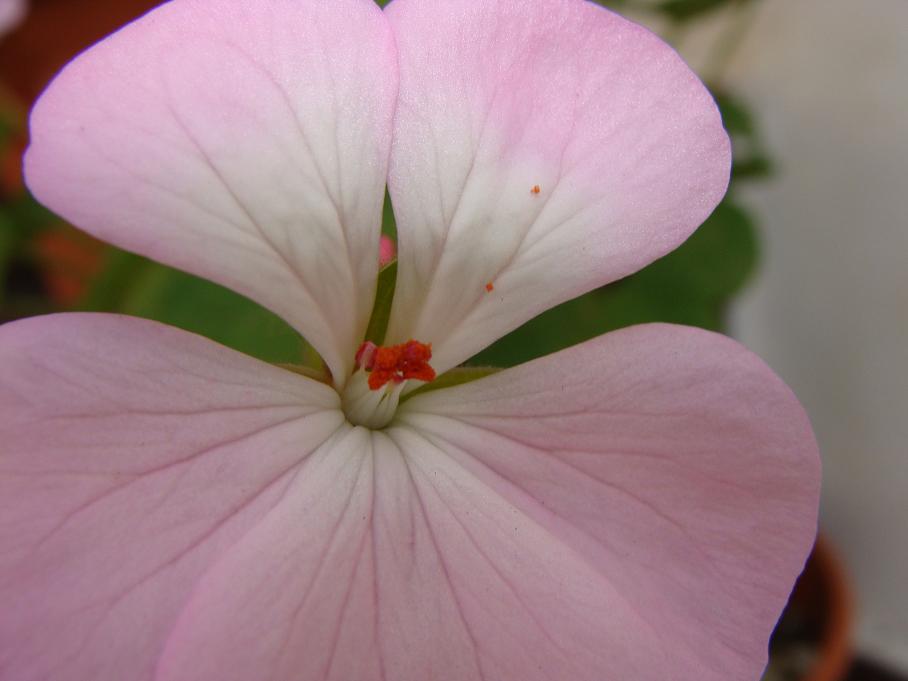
point(829, 311)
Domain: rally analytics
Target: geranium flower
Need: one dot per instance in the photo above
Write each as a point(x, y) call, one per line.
point(634, 508)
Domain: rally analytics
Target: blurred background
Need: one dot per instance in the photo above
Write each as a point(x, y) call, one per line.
point(806, 262)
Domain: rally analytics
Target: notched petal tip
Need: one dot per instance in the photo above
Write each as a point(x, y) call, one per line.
point(208, 136)
point(519, 161)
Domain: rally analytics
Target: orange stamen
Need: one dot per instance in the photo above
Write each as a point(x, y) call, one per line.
point(490, 287)
point(396, 363)
point(536, 189)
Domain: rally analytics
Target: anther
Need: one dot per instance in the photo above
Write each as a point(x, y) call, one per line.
point(396, 363)
point(372, 393)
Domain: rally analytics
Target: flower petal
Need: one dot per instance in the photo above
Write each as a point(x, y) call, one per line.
point(303, 582)
point(573, 518)
point(358, 575)
point(132, 457)
point(243, 142)
point(540, 150)
point(638, 506)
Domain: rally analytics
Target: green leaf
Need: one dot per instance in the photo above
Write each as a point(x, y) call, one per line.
point(692, 286)
point(388, 221)
point(20, 221)
point(715, 262)
point(750, 159)
point(381, 311)
point(28, 216)
point(736, 115)
point(7, 248)
point(685, 10)
point(387, 281)
point(133, 285)
point(752, 168)
point(112, 285)
point(452, 377)
point(614, 4)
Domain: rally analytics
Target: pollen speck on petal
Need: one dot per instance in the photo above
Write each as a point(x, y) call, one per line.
point(582, 174)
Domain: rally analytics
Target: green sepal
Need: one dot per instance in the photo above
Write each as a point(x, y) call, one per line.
point(381, 311)
point(454, 377)
point(321, 375)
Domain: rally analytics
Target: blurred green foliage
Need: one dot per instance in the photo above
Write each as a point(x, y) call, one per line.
point(678, 11)
point(685, 10)
point(7, 236)
point(751, 160)
point(692, 285)
point(130, 284)
point(21, 219)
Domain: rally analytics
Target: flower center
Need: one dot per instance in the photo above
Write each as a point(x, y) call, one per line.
point(373, 392)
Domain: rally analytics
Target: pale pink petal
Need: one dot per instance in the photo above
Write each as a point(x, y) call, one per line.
point(295, 598)
point(363, 574)
point(387, 560)
point(133, 457)
point(246, 142)
point(11, 14)
point(541, 149)
point(636, 507)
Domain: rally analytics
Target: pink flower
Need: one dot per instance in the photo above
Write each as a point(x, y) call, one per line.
point(635, 508)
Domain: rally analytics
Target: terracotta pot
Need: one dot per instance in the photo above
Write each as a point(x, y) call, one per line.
point(813, 639)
